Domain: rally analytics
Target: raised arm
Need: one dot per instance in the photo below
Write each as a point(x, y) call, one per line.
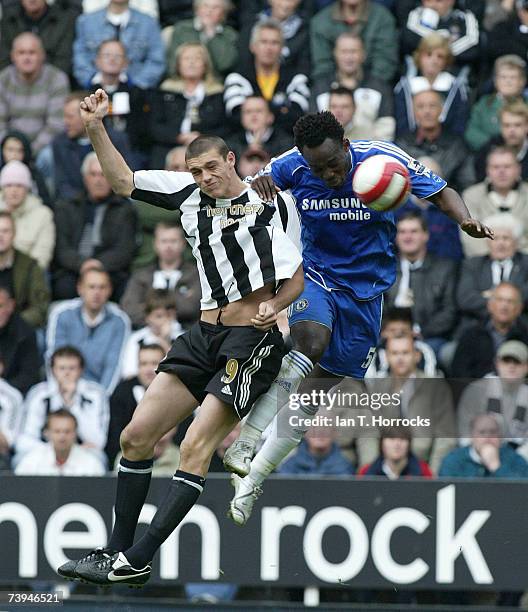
point(450, 203)
point(93, 110)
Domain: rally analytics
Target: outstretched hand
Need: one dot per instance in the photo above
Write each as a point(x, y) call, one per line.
point(94, 107)
point(476, 229)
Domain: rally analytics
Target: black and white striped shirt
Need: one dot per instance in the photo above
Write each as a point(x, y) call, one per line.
point(240, 244)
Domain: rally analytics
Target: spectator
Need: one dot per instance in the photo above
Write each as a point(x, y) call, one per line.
point(294, 26)
point(461, 27)
point(425, 283)
point(341, 104)
point(95, 230)
point(431, 139)
point(11, 418)
point(66, 389)
point(99, 329)
point(31, 93)
point(504, 394)
point(22, 276)
point(207, 28)
point(175, 160)
point(128, 394)
point(15, 146)
point(126, 102)
point(162, 328)
point(61, 455)
point(513, 120)
point(477, 347)
point(444, 236)
point(54, 24)
point(502, 192)
point(398, 322)
point(503, 262)
point(510, 35)
point(286, 90)
point(427, 398)
point(396, 460)
point(509, 81)
point(19, 356)
point(150, 7)
point(34, 226)
point(253, 160)
point(259, 130)
point(372, 22)
point(139, 33)
point(63, 159)
point(170, 271)
point(486, 457)
point(318, 453)
point(187, 104)
point(428, 70)
point(373, 99)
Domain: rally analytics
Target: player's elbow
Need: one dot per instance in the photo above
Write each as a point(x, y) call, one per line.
point(124, 185)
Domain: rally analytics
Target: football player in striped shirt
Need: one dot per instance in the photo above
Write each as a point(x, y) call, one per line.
point(249, 270)
point(349, 262)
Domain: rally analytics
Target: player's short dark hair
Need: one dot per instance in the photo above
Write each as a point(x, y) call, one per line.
point(61, 412)
point(205, 143)
point(414, 215)
point(158, 298)
point(339, 90)
point(67, 351)
point(397, 314)
point(313, 129)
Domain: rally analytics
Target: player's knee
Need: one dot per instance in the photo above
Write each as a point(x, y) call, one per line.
point(311, 340)
point(134, 444)
point(194, 449)
point(313, 348)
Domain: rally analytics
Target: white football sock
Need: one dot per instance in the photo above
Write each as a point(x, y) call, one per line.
point(295, 366)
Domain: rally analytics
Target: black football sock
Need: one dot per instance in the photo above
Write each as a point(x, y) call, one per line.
point(133, 481)
point(183, 493)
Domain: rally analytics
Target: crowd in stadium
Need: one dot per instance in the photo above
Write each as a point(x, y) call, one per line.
point(94, 287)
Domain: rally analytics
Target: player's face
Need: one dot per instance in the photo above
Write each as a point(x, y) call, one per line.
point(395, 449)
point(147, 363)
point(330, 161)
point(504, 245)
point(212, 173)
point(66, 369)
point(514, 129)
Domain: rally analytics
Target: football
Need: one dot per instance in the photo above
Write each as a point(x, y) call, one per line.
point(381, 182)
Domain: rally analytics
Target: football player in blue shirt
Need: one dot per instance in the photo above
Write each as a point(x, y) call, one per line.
point(349, 262)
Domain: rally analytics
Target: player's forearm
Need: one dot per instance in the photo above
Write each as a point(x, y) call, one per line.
point(289, 291)
point(451, 204)
point(116, 170)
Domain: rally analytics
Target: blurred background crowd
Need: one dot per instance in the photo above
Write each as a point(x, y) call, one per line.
point(94, 287)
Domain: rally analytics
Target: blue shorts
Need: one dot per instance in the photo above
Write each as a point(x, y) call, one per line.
point(355, 326)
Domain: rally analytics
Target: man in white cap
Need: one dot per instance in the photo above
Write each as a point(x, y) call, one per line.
point(503, 394)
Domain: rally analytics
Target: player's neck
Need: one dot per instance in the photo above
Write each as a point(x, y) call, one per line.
point(235, 188)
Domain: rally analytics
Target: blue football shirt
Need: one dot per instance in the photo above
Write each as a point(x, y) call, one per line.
point(347, 245)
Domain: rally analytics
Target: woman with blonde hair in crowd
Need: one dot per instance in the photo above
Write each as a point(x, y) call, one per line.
point(187, 104)
point(429, 70)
